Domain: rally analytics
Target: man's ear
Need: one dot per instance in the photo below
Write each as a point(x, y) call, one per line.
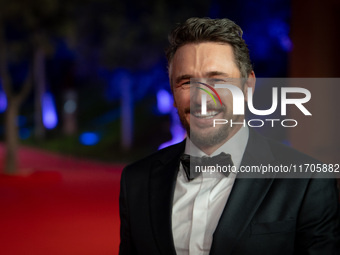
point(250, 83)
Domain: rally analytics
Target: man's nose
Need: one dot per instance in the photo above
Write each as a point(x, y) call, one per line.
point(198, 95)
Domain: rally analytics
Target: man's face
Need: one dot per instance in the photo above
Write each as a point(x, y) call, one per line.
point(205, 60)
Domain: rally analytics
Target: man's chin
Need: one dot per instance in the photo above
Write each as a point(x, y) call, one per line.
point(208, 137)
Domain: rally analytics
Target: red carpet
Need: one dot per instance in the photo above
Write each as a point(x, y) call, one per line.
point(59, 206)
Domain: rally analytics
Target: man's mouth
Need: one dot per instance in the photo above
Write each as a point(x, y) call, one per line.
point(208, 115)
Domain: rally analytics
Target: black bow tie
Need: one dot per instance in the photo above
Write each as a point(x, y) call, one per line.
point(193, 166)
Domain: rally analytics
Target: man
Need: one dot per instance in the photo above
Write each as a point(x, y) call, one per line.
point(166, 208)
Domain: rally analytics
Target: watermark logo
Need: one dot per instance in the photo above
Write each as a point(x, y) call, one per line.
point(204, 96)
point(240, 99)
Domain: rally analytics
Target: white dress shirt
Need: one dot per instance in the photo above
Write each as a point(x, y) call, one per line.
point(198, 204)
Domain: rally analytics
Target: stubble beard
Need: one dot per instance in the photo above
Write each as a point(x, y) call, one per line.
point(206, 138)
point(209, 139)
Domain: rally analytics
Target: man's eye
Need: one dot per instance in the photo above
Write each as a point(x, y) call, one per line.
point(185, 84)
point(217, 80)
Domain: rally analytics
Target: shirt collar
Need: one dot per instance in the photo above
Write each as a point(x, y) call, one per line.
point(235, 146)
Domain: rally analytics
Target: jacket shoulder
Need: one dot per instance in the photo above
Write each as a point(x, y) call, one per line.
point(284, 153)
point(164, 155)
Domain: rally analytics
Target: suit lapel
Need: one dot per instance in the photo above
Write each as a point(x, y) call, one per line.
point(243, 202)
point(162, 184)
point(245, 198)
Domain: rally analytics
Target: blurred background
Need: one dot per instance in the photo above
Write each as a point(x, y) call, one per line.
point(84, 91)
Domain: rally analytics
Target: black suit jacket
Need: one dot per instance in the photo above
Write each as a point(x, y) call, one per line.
point(262, 216)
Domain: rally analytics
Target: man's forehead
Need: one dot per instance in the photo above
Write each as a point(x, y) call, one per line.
point(203, 47)
point(212, 57)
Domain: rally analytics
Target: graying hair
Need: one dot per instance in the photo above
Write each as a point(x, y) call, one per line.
point(198, 30)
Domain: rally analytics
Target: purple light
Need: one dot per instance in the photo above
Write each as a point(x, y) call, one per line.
point(177, 131)
point(49, 113)
point(3, 102)
point(280, 30)
point(286, 43)
point(164, 101)
point(178, 134)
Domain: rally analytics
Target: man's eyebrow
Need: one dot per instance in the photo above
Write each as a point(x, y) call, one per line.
point(207, 75)
point(216, 73)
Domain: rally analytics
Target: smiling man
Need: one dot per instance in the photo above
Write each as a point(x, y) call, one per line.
point(167, 208)
point(215, 61)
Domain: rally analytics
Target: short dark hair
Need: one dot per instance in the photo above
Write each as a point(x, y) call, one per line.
point(198, 30)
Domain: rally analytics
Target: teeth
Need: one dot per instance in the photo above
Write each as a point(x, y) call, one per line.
point(209, 114)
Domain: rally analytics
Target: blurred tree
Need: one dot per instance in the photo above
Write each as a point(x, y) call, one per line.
point(132, 35)
point(107, 33)
point(26, 28)
point(14, 100)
